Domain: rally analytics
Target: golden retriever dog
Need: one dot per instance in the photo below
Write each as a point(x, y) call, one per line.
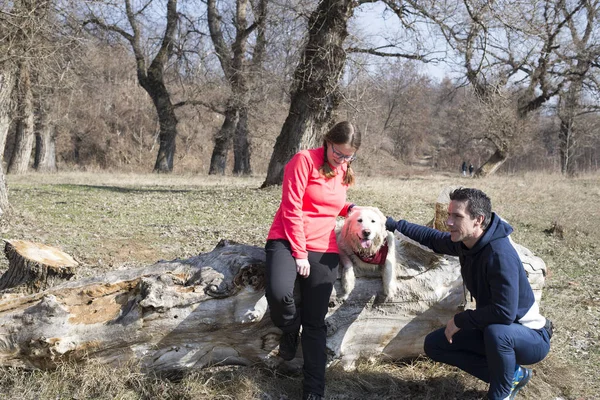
point(364, 243)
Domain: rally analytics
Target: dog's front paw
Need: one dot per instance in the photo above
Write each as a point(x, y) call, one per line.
point(251, 316)
point(387, 294)
point(381, 298)
point(343, 298)
point(391, 291)
point(336, 301)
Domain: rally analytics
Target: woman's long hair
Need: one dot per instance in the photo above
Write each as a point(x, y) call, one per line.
point(341, 133)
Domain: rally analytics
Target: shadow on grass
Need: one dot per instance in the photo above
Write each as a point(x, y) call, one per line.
point(120, 189)
point(263, 383)
point(386, 386)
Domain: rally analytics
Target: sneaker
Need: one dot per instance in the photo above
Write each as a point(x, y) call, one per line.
point(288, 344)
point(522, 376)
point(311, 396)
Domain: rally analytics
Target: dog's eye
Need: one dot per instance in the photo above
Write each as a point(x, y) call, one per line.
point(373, 221)
point(359, 220)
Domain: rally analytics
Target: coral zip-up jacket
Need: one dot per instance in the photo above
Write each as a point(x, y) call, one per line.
point(309, 205)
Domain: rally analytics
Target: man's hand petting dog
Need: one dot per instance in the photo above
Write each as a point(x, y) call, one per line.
point(390, 224)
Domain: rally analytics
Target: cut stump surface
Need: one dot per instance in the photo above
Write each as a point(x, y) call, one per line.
point(35, 265)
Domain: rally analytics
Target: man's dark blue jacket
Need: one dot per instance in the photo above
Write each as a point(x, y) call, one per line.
point(492, 272)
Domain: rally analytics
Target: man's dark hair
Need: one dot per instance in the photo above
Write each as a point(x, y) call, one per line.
point(478, 203)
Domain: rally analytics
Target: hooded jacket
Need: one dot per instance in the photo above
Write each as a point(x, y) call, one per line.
point(492, 272)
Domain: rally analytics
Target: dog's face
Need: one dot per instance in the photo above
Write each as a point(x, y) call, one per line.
point(364, 230)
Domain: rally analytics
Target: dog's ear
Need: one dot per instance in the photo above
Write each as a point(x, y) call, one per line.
point(346, 226)
point(382, 218)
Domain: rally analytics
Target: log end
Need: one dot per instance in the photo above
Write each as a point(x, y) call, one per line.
point(41, 253)
point(36, 265)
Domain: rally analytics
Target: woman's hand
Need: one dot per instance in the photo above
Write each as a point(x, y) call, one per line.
point(302, 267)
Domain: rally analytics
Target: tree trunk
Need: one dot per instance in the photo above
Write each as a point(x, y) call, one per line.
point(21, 154)
point(492, 164)
point(188, 314)
point(167, 120)
point(568, 105)
point(567, 142)
point(296, 126)
point(151, 77)
point(238, 74)
point(241, 146)
point(45, 145)
point(4, 205)
point(7, 81)
point(315, 80)
point(218, 160)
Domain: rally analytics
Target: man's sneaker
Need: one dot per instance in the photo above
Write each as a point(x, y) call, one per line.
point(522, 376)
point(288, 344)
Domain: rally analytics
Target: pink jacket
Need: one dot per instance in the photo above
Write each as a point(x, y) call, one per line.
point(309, 205)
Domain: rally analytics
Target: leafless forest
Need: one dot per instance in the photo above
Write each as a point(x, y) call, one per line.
point(237, 87)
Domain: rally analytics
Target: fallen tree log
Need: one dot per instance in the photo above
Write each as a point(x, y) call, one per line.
point(180, 315)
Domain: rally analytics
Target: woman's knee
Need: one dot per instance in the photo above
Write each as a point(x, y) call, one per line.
point(279, 297)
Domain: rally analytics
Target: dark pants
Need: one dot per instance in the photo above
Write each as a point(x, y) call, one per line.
point(492, 354)
point(289, 315)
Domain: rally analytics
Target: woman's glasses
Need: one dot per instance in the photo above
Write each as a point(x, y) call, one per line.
point(341, 156)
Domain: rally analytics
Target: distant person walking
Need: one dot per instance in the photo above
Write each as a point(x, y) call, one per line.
point(471, 169)
point(463, 168)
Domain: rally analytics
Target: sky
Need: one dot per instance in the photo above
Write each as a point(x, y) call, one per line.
point(376, 25)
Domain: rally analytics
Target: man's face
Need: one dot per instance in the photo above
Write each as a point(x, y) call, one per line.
point(463, 227)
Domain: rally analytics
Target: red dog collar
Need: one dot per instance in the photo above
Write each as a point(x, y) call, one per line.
point(377, 258)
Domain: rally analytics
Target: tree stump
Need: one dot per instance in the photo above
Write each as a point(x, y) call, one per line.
point(35, 265)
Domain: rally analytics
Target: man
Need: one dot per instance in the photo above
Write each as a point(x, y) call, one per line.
point(506, 328)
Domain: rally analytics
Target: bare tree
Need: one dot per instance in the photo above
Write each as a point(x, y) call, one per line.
point(580, 57)
point(42, 44)
point(7, 77)
point(23, 144)
point(45, 142)
point(238, 73)
point(27, 14)
point(9, 26)
point(7, 81)
point(151, 74)
point(505, 47)
point(316, 80)
point(316, 88)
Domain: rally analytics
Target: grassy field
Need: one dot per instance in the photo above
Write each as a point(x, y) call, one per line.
point(121, 221)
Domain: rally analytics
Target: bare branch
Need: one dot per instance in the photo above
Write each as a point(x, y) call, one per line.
point(210, 106)
point(110, 28)
point(375, 51)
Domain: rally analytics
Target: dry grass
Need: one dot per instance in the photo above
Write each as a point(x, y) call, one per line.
point(119, 221)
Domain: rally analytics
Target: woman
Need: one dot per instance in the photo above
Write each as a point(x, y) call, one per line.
point(301, 245)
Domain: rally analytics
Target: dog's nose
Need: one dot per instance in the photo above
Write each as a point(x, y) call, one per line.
point(366, 232)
